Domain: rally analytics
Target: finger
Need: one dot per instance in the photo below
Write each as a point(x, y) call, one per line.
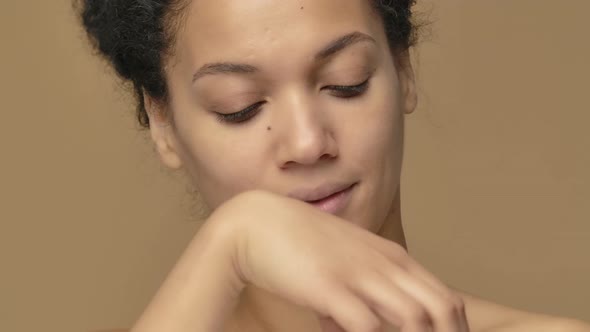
point(413, 267)
point(445, 315)
point(329, 325)
point(349, 312)
point(393, 304)
point(418, 270)
point(399, 256)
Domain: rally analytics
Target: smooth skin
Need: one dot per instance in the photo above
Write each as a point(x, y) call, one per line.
point(266, 262)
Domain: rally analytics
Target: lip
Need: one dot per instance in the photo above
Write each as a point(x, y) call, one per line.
point(330, 198)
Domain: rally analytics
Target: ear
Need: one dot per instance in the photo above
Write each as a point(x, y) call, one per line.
point(162, 133)
point(407, 82)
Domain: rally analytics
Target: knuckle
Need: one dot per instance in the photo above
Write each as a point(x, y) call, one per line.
point(403, 261)
point(417, 314)
point(453, 308)
point(327, 281)
point(459, 304)
point(398, 251)
point(447, 310)
point(370, 324)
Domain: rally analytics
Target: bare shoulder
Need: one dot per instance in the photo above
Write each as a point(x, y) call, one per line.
point(486, 316)
point(556, 324)
point(545, 324)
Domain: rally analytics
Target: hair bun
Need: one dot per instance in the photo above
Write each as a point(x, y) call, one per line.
point(126, 32)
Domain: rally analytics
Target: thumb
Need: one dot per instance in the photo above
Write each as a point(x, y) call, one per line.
point(329, 325)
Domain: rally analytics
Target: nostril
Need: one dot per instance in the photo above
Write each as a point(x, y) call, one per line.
point(326, 156)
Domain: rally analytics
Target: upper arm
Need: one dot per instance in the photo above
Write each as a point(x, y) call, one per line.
point(557, 324)
point(488, 316)
point(485, 315)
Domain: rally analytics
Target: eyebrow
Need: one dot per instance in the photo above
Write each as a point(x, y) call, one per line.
point(341, 43)
point(328, 51)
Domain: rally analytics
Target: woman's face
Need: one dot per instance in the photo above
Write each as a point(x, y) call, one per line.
point(320, 98)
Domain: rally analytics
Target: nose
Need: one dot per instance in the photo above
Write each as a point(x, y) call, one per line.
point(306, 136)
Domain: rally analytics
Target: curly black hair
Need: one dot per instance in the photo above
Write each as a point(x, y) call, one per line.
point(136, 37)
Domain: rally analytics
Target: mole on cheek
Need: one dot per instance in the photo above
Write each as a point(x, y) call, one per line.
point(268, 128)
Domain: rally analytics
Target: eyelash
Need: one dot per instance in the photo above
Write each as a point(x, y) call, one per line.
point(340, 91)
point(241, 116)
point(349, 91)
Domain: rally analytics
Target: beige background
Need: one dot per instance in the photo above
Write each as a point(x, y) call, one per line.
point(496, 183)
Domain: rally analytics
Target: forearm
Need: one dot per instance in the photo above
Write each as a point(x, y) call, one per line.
point(201, 290)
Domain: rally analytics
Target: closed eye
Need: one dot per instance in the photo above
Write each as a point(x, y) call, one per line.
point(348, 91)
point(241, 116)
point(340, 91)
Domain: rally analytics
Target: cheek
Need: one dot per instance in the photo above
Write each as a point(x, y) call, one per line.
point(377, 134)
point(222, 169)
point(219, 165)
point(378, 155)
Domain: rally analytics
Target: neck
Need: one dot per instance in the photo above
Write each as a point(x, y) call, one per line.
point(392, 228)
point(261, 311)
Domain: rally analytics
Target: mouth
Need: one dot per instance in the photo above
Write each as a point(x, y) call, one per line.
point(328, 198)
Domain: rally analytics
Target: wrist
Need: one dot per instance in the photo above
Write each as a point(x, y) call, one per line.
point(217, 241)
point(231, 224)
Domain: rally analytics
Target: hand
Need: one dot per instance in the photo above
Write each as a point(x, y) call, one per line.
point(353, 279)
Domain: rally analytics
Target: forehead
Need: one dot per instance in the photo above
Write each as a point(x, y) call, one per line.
point(257, 31)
